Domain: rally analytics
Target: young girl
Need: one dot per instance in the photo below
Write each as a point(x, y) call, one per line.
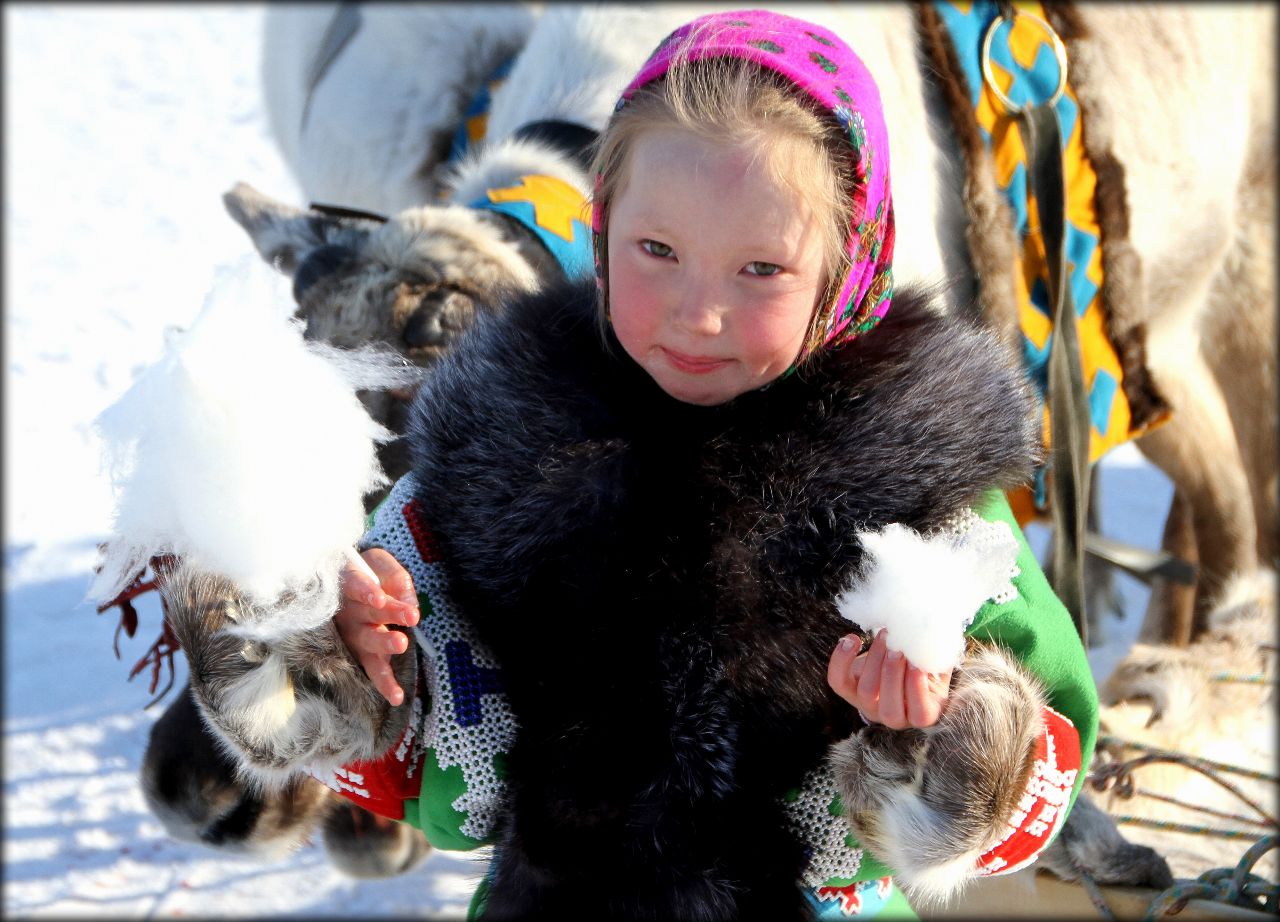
point(632, 510)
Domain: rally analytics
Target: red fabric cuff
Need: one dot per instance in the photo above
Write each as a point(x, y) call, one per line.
point(382, 785)
point(1043, 807)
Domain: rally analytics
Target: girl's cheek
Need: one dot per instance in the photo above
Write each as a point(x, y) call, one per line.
point(633, 295)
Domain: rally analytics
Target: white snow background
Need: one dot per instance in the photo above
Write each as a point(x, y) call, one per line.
point(123, 127)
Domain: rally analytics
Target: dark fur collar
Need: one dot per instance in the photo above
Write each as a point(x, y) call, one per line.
point(658, 581)
point(534, 430)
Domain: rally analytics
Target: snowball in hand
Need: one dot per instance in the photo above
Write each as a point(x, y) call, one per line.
point(244, 449)
point(925, 591)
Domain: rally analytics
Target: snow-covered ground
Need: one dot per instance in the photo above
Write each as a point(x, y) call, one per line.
point(124, 125)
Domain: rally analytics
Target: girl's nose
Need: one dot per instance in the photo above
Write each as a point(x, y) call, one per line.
point(697, 309)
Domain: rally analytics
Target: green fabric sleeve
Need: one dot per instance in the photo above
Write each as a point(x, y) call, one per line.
point(1036, 628)
point(433, 811)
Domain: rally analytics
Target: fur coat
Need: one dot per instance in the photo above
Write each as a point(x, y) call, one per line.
point(658, 582)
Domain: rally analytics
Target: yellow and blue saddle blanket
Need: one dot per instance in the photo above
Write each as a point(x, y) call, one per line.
point(554, 211)
point(1026, 70)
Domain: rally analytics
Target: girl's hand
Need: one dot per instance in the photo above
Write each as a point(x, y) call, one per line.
point(369, 604)
point(884, 687)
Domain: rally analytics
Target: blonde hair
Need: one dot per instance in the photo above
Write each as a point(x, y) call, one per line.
point(731, 100)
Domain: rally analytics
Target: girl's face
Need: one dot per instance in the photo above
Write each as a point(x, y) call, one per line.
point(714, 267)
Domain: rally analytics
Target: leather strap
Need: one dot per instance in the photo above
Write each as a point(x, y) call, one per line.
point(1139, 562)
point(1069, 419)
point(342, 211)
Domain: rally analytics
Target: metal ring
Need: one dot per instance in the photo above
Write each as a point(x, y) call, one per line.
point(1059, 52)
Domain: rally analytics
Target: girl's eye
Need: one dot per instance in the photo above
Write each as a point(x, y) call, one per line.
point(759, 268)
point(654, 248)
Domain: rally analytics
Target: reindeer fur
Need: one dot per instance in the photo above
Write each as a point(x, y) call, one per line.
point(275, 718)
point(372, 132)
point(901, 787)
point(194, 786)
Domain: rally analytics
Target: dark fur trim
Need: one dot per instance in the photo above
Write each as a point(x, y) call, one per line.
point(657, 579)
point(993, 245)
point(1065, 20)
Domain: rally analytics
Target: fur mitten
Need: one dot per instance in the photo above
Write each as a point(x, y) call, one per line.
point(280, 708)
point(932, 803)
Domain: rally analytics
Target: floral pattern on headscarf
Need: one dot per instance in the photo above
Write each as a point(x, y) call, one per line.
point(821, 65)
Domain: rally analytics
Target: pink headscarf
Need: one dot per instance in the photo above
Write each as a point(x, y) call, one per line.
point(821, 65)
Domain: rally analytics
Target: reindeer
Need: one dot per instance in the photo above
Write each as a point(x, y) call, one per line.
point(413, 281)
point(366, 101)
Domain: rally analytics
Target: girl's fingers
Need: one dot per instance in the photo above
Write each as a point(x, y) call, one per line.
point(388, 597)
point(840, 669)
point(359, 587)
point(394, 611)
point(384, 680)
point(930, 691)
point(353, 618)
point(377, 640)
point(859, 662)
point(922, 704)
point(395, 579)
point(940, 683)
point(893, 709)
point(869, 686)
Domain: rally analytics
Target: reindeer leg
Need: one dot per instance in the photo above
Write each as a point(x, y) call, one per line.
point(362, 844)
point(1198, 451)
point(1170, 611)
point(193, 787)
point(930, 803)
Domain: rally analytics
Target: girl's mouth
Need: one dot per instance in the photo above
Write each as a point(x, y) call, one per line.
point(693, 364)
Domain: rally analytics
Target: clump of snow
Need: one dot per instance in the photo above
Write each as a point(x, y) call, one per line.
point(924, 591)
point(245, 451)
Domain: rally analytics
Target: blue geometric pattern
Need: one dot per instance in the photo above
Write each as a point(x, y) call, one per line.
point(470, 683)
point(574, 255)
point(1101, 393)
point(1029, 86)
